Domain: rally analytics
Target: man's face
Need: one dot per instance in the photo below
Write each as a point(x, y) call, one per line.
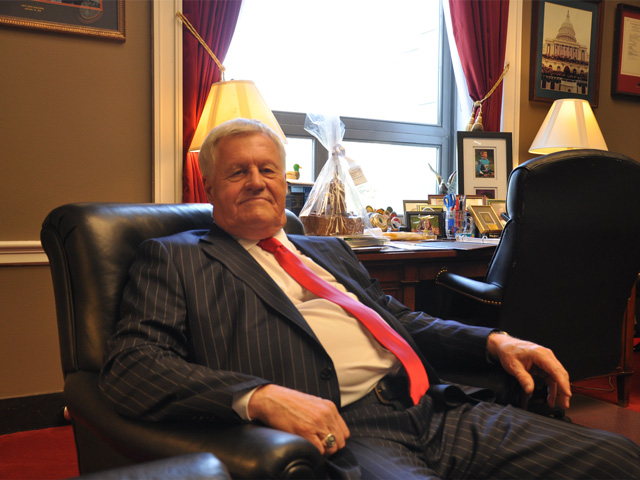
point(248, 189)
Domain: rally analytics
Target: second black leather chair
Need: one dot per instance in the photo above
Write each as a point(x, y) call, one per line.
point(567, 260)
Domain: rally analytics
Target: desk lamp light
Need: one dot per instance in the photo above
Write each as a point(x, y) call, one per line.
point(570, 124)
point(229, 100)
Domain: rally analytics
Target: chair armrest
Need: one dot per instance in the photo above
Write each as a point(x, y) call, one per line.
point(480, 291)
point(506, 388)
point(193, 466)
point(248, 451)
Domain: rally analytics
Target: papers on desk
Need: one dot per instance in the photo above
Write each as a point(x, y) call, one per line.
point(395, 246)
point(365, 242)
point(369, 243)
point(490, 241)
point(469, 245)
point(439, 245)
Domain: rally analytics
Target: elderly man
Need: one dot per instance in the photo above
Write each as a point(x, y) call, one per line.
point(245, 324)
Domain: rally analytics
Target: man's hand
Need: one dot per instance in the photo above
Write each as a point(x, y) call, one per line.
point(522, 359)
point(306, 415)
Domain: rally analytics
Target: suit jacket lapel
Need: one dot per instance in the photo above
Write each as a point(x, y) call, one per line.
point(222, 247)
point(319, 253)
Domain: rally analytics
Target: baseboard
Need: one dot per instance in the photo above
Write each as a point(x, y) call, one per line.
point(31, 413)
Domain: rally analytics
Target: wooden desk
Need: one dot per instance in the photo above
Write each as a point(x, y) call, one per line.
point(400, 272)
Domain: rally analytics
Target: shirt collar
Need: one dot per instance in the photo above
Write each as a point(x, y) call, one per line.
point(248, 244)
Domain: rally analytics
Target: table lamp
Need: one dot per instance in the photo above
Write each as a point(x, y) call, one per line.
point(570, 124)
point(229, 100)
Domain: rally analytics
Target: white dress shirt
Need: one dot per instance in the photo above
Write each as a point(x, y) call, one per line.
point(359, 360)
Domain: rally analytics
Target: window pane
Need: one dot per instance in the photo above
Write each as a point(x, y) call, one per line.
point(376, 59)
point(300, 152)
point(394, 173)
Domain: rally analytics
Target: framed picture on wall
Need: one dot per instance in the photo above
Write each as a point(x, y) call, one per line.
point(485, 160)
point(94, 18)
point(566, 44)
point(626, 60)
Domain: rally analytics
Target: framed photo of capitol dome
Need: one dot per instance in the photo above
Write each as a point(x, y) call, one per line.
point(566, 44)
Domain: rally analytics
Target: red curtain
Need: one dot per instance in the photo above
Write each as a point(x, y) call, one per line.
point(215, 21)
point(480, 30)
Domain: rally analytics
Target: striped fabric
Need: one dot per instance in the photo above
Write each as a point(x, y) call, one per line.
point(203, 321)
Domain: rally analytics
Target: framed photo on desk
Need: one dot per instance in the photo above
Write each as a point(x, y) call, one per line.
point(486, 219)
point(414, 205)
point(428, 222)
point(500, 206)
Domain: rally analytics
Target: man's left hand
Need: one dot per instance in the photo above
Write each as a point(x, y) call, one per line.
point(523, 359)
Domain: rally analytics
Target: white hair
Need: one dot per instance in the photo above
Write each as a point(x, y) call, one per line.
point(235, 127)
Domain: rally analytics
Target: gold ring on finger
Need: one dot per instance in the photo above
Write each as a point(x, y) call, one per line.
point(330, 440)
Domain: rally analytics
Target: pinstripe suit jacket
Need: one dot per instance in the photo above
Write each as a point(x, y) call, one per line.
point(202, 321)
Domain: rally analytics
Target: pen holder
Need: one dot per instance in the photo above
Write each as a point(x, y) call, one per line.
point(458, 222)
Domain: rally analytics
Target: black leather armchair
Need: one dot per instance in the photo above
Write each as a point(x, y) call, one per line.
point(567, 259)
point(90, 247)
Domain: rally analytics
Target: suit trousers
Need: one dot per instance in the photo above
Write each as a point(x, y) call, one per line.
point(475, 440)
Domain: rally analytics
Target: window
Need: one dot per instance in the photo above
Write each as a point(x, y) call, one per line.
point(383, 66)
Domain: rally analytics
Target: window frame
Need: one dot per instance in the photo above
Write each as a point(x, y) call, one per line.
point(395, 132)
point(167, 95)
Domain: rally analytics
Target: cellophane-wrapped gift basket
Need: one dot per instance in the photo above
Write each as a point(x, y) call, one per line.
point(333, 206)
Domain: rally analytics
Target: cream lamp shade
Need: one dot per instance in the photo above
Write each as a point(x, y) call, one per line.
point(570, 124)
point(229, 100)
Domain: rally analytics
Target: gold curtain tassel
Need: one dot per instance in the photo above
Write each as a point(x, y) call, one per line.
point(194, 32)
point(475, 122)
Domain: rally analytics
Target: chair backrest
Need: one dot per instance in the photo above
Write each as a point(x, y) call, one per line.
point(90, 248)
point(569, 255)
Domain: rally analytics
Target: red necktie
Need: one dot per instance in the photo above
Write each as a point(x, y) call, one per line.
point(387, 336)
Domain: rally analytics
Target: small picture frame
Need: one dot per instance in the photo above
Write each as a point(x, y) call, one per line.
point(485, 160)
point(436, 200)
point(475, 200)
point(486, 218)
point(500, 206)
point(414, 205)
point(626, 70)
point(431, 222)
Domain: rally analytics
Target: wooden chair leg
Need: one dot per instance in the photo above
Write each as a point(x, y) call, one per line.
point(628, 330)
point(623, 383)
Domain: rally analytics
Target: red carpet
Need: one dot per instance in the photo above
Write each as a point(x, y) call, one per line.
point(39, 454)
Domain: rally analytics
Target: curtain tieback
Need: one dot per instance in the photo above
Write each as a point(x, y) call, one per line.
point(475, 124)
